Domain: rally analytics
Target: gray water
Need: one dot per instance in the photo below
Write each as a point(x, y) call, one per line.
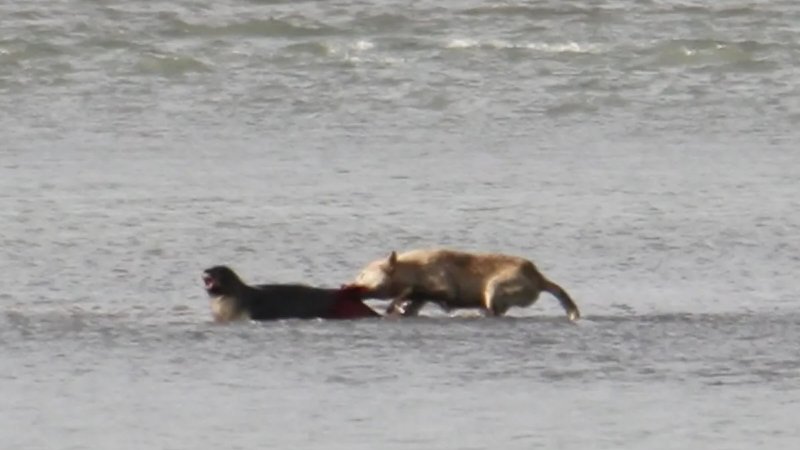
point(641, 152)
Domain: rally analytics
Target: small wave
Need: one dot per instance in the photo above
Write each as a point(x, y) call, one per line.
point(255, 27)
point(736, 11)
point(681, 52)
point(352, 53)
point(110, 43)
point(109, 328)
point(325, 48)
point(272, 2)
point(713, 10)
point(773, 318)
point(19, 50)
point(570, 47)
point(566, 47)
point(381, 23)
point(575, 106)
point(311, 48)
point(7, 58)
point(363, 45)
point(171, 65)
point(463, 43)
point(537, 12)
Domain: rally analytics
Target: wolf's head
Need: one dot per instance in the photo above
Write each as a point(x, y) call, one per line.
point(378, 278)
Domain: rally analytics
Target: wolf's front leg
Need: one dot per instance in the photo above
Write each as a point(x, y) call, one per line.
point(407, 308)
point(412, 307)
point(397, 306)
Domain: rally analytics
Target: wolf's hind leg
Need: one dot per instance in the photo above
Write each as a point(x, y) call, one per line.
point(504, 292)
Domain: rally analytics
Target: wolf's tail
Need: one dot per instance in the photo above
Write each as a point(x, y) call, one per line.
point(566, 301)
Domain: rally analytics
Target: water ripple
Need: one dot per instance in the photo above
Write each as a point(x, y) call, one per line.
point(252, 28)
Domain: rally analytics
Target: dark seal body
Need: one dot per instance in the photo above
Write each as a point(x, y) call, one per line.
point(232, 299)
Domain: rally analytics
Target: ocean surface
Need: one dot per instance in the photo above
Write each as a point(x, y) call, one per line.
point(642, 153)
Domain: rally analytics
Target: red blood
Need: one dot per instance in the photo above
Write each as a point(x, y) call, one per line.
point(349, 304)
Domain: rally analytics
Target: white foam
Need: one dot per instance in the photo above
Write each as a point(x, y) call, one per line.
point(363, 45)
point(462, 43)
point(567, 47)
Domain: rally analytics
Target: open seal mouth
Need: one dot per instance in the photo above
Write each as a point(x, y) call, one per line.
point(209, 282)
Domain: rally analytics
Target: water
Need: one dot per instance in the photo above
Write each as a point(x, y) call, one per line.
point(641, 152)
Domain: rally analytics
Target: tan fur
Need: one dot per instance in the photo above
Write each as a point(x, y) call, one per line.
point(227, 309)
point(492, 281)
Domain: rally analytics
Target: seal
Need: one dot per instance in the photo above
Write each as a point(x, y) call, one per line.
point(233, 299)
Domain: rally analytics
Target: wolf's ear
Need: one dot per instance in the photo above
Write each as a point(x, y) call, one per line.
point(393, 259)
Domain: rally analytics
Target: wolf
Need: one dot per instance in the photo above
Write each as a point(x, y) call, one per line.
point(456, 279)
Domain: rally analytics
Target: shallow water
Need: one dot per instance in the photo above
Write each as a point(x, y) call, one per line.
point(658, 381)
point(641, 152)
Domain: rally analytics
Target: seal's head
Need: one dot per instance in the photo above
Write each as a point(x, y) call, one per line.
point(220, 280)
